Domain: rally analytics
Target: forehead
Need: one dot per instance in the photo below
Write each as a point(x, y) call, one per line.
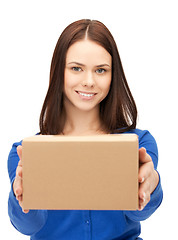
point(86, 51)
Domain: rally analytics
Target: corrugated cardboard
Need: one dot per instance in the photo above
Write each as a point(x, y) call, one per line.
point(80, 172)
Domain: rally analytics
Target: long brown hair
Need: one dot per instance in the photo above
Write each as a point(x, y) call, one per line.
point(118, 111)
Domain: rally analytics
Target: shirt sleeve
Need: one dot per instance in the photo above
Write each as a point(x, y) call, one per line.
point(31, 222)
point(147, 141)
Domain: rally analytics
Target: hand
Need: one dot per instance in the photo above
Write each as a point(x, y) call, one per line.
point(17, 185)
point(148, 178)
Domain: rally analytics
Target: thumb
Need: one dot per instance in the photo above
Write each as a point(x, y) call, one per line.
point(143, 156)
point(19, 151)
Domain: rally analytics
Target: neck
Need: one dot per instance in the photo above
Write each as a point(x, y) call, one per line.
point(82, 123)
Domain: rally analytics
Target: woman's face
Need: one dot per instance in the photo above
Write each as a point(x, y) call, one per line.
point(87, 75)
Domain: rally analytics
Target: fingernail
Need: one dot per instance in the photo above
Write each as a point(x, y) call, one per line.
point(17, 191)
point(141, 208)
point(143, 179)
point(144, 148)
point(144, 197)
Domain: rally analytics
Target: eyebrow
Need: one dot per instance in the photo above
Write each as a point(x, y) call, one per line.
point(80, 64)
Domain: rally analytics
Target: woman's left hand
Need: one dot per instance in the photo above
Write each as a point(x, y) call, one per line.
point(148, 178)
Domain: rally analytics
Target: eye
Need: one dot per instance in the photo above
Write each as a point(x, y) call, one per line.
point(101, 70)
point(76, 69)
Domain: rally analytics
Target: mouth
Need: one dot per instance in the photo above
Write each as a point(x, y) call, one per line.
point(86, 94)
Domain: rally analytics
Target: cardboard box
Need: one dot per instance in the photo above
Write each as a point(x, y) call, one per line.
point(80, 172)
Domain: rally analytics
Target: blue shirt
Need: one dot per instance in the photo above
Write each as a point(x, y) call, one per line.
point(83, 224)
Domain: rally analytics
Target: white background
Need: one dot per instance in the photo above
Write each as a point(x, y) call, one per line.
point(146, 35)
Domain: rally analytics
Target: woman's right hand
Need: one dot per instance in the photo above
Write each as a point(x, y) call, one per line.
point(17, 185)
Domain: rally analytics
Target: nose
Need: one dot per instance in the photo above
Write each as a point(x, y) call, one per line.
point(88, 80)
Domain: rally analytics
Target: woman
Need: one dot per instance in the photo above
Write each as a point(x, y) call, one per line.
point(88, 94)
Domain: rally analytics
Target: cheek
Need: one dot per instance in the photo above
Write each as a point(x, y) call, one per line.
point(67, 86)
point(106, 85)
point(70, 80)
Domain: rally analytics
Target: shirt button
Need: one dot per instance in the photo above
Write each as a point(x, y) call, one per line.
point(87, 222)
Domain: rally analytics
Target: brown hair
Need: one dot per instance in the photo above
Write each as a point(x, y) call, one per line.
point(118, 111)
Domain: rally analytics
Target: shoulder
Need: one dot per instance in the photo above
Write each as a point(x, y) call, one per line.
point(143, 135)
point(147, 141)
point(14, 148)
point(13, 160)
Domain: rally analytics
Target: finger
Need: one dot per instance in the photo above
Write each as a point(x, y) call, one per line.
point(17, 186)
point(23, 210)
point(141, 204)
point(145, 171)
point(20, 163)
point(19, 171)
point(19, 198)
point(143, 156)
point(144, 202)
point(144, 194)
point(19, 151)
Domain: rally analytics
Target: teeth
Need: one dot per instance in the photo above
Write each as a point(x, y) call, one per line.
point(86, 95)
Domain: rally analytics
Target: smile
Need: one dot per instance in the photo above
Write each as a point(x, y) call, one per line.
point(86, 94)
